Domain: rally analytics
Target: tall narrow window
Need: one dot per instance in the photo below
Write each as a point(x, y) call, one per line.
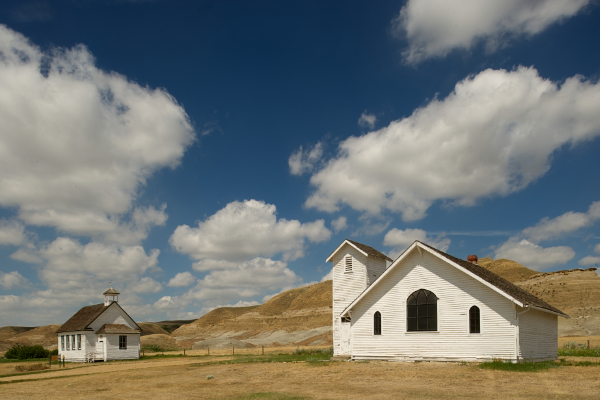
point(474, 320)
point(122, 342)
point(68, 346)
point(377, 323)
point(62, 342)
point(72, 342)
point(348, 264)
point(78, 342)
point(421, 311)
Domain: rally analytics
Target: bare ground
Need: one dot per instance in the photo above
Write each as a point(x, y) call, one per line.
point(186, 378)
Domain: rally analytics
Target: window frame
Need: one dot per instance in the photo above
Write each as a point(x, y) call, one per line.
point(469, 319)
point(78, 341)
point(437, 313)
point(377, 323)
point(73, 342)
point(62, 342)
point(122, 342)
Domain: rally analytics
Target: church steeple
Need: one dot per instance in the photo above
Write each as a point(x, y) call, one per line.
point(110, 295)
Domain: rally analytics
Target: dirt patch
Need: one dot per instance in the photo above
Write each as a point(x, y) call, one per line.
point(186, 378)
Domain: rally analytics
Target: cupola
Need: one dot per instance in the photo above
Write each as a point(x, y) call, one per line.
point(110, 296)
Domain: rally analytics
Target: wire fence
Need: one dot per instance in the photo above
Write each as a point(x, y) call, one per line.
point(259, 350)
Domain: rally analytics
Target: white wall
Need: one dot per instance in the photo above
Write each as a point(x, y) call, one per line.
point(346, 286)
point(113, 351)
point(456, 292)
point(538, 335)
point(87, 345)
point(113, 315)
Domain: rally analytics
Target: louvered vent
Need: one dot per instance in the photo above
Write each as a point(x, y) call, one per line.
point(348, 264)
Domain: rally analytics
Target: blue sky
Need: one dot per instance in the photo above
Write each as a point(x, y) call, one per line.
point(203, 154)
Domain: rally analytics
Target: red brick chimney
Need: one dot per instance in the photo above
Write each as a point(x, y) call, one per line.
point(473, 259)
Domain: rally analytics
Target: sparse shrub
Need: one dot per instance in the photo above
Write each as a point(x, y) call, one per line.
point(498, 364)
point(574, 349)
point(24, 352)
point(209, 376)
point(31, 367)
point(311, 352)
point(155, 348)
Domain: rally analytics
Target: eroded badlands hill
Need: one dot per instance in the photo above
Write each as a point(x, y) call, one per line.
point(575, 292)
point(298, 316)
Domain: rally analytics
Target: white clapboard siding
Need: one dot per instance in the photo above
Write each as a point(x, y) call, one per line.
point(538, 334)
point(348, 285)
point(112, 347)
point(87, 344)
point(113, 315)
point(456, 292)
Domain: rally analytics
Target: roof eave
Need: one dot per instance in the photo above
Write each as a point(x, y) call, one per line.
point(346, 241)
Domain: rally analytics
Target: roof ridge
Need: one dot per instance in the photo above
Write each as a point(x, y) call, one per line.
point(503, 284)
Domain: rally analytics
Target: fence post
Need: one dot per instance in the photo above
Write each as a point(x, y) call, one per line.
point(588, 344)
point(63, 361)
point(263, 350)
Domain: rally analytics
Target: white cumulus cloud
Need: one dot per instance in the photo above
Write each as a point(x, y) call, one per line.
point(589, 260)
point(255, 277)
point(433, 28)
point(13, 280)
point(243, 230)
point(533, 256)
point(301, 162)
point(182, 279)
point(550, 228)
point(77, 143)
point(492, 136)
point(401, 239)
point(12, 232)
point(339, 224)
point(367, 120)
point(145, 285)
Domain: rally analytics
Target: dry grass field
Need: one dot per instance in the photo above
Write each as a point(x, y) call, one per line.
point(186, 377)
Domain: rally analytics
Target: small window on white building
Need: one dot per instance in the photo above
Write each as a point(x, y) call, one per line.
point(62, 342)
point(78, 342)
point(123, 342)
point(348, 264)
point(68, 344)
point(72, 342)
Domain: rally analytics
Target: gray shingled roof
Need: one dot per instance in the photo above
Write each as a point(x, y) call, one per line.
point(116, 328)
point(82, 318)
point(507, 287)
point(370, 251)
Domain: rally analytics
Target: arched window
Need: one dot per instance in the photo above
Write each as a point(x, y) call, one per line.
point(377, 323)
point(421, 311)
point(474, 320)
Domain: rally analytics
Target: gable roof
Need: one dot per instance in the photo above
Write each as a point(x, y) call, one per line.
point(86, 315)
point(499, 284)
point(116, 328)
point(82, 318)
point(363, 248)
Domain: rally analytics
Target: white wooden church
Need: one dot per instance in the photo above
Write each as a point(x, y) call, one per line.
point(100, 332)
point(429, 305)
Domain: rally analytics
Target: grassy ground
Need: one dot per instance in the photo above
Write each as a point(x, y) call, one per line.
point(289, 378)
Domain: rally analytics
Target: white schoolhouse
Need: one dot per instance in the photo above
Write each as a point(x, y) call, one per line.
point(100, 332)
point(429, 305)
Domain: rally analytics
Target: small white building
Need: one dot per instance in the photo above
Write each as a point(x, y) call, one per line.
point(100, 332)
point(429, 305)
